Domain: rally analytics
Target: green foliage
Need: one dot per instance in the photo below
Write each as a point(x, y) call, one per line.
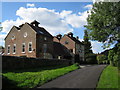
point(108, 78)
point(87, 43)
point(101, 59)
point(104, 22)
point(31, 79)
point(1, 47)
point(91, 59)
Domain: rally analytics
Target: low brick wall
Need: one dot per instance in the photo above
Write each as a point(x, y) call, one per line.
point(13, 63)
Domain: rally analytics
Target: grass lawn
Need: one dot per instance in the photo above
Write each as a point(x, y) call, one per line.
point(31, 79)
point(109, 78)
point(119, 79)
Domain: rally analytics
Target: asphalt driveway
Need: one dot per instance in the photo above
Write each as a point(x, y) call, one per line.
point(86, 77)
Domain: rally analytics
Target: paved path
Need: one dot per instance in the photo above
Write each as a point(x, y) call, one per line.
point(86, 77)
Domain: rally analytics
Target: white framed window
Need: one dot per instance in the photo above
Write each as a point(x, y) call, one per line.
point(13, 37)
point(25, 34)
point(23, 47)
point(45, 38)
point(8, 49)
point(14, 48)
point(30, 47)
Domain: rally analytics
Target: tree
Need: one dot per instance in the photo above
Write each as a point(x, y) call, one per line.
point(104, 22)
point(89, 57)
point(87, 43)
point(110, 57)
point(101, 59)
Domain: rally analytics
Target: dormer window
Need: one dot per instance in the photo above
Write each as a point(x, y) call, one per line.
point(25, 34)
point(13, 37)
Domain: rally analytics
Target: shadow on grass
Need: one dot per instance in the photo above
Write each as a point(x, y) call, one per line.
point(8, 84)
point(34, 69)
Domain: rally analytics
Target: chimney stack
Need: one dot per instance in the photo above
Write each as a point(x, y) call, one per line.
point(70, 34)
point(59, 36)
point(77, 37)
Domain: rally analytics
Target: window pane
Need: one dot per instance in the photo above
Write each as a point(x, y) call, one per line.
point(23, 48)
point(30, 46)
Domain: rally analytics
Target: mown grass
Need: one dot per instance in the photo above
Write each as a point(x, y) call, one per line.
point(119, 79)
point(37, 78)
point(109, 78)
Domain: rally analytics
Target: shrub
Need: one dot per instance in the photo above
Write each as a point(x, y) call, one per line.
point(101, 59)
point(110, 57)
point(91, 59)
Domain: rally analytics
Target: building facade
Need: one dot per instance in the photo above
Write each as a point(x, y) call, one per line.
point(75, 47)
point(29, 40)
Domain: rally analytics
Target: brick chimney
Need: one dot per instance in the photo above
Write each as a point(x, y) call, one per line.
point(35, 23)
point(59, 36)
point(70, 34)
point(77, 37)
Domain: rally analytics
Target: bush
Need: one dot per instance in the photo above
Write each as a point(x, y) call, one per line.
point(110, 57)
point(101, 59)
point(91, 59)
point(114, 57)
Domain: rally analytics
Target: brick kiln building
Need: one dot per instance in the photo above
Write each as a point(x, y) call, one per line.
point(30, 40)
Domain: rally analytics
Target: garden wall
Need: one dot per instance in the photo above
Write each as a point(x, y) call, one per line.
point(13, 63)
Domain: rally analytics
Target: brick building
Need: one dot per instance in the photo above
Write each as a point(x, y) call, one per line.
point(30, 40)
point(75, 47)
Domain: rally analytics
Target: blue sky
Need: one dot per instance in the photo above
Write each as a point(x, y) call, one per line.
point(56, 17)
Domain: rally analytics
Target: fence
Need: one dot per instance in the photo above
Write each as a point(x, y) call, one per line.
point(13, 63)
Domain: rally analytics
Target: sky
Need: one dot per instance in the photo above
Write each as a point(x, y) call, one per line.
point(55, 17)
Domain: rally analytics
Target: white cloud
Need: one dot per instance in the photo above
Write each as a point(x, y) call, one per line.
point(81, 39)
point(53, 21)
point(89, 6)
point(30, 5)
point(96, 46)
point(77, 21)
point(65, 13)
point(2, 36)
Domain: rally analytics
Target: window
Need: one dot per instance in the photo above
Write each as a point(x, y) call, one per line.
point(23, 48)
point(14, 48)
point(8, 49)
point(30, 47)
point(45, 38)
point(25, 34)
point(66, 42)
point(44, 48)
point(13, 37)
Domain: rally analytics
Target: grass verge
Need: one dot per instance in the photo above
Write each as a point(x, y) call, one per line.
point(37, 78)
point(109, 78)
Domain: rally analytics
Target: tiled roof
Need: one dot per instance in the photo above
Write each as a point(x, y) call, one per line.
point(40, 30)
point(74, 39)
